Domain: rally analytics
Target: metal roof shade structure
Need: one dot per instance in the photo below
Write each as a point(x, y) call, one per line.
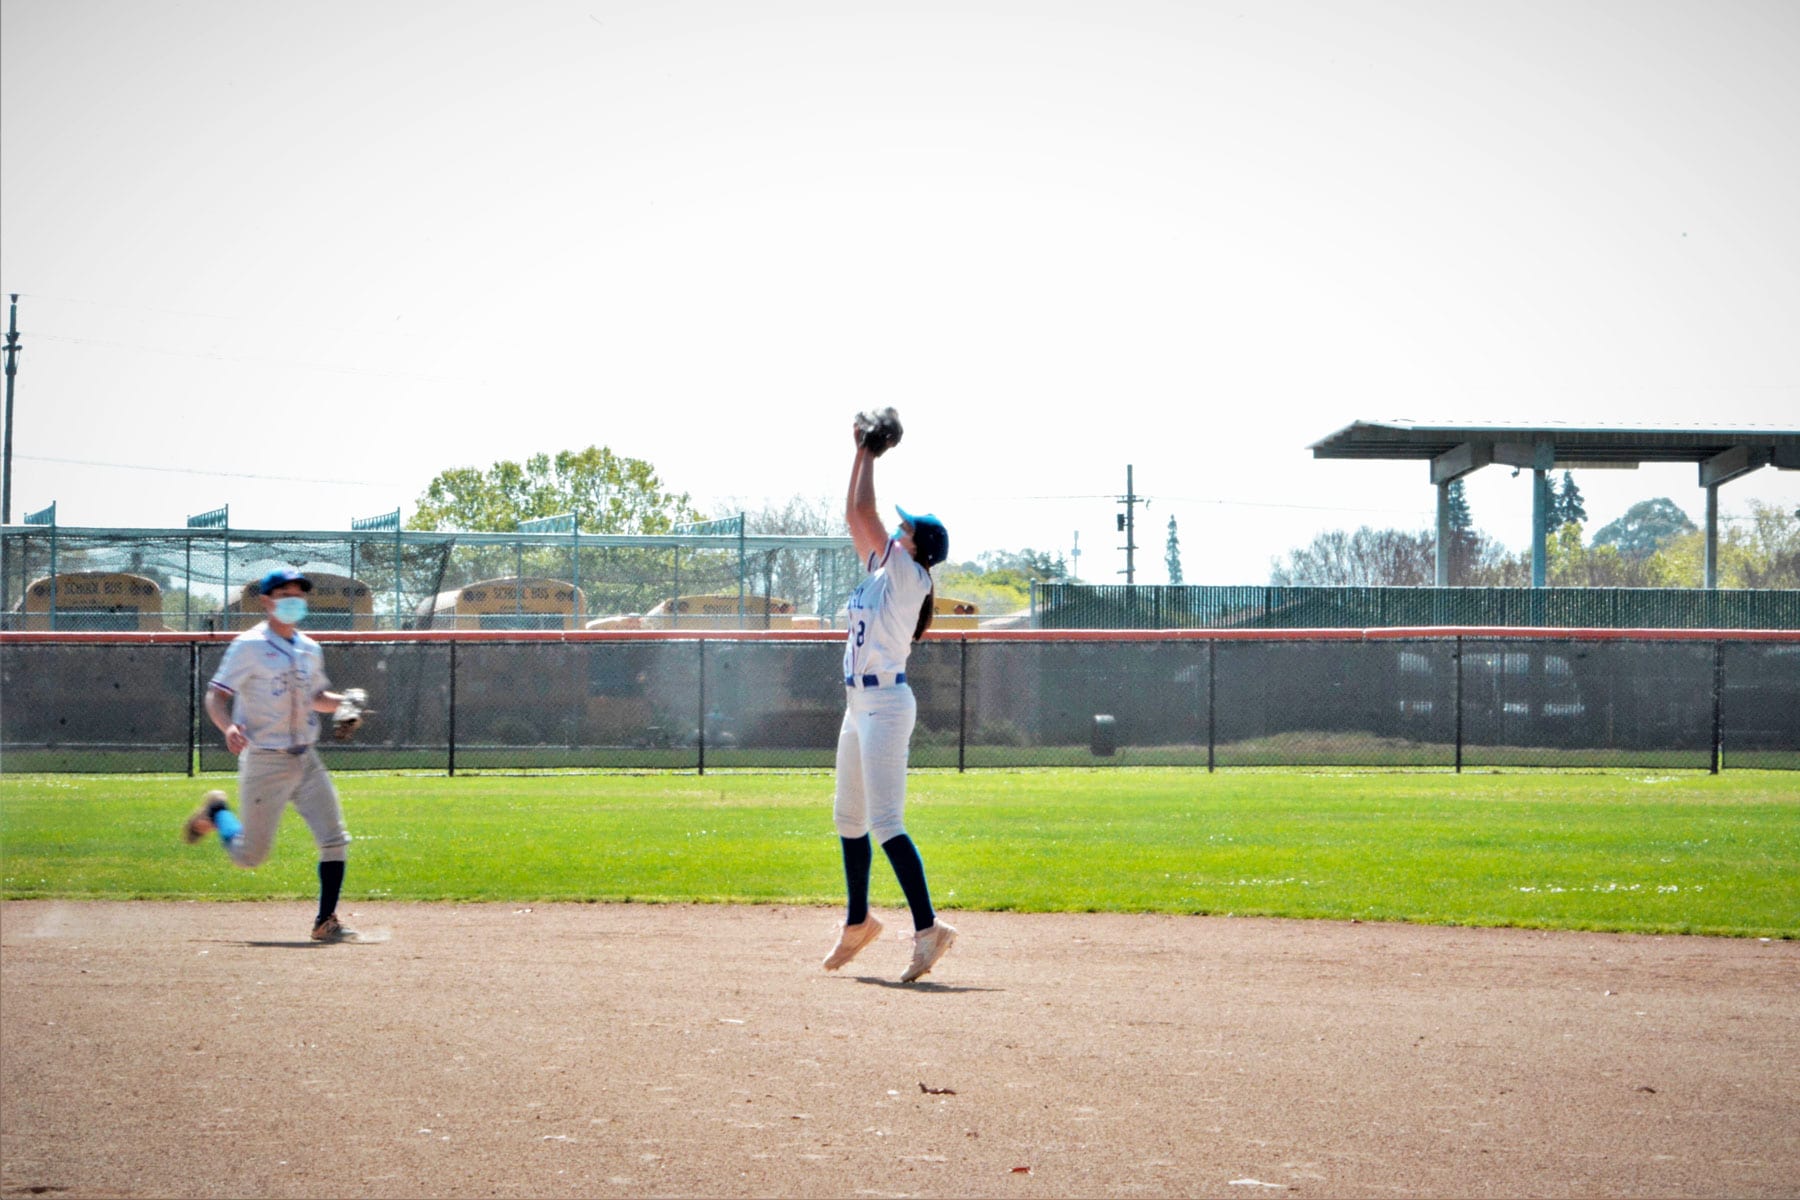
point(1457, 450)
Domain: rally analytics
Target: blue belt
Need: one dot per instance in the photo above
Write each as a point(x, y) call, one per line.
point(298, 749)
point(869, 681)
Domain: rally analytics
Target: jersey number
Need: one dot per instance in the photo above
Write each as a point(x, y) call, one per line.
point(860, 626)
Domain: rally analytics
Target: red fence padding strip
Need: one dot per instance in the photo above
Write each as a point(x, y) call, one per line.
point(491, 636)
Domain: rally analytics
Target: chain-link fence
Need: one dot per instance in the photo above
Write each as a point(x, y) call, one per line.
point(1152, 606)
point(200, 580)
point(607, 702)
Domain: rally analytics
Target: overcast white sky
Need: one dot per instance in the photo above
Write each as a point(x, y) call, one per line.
point(298, 258)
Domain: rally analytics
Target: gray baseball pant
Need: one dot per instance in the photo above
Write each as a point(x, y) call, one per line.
point(270, 780)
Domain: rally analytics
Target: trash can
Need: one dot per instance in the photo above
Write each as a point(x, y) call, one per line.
point(1103, 742)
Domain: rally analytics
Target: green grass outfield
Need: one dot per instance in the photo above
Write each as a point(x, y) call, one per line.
point(1638, 851)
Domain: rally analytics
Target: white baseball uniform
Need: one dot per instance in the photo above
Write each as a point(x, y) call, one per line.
point(879, 710)
point(272, 683)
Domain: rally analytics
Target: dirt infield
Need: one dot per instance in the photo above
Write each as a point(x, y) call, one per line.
point(155, 1049)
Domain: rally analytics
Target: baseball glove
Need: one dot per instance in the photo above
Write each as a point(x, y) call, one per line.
point(878, 430)
point(348, 717)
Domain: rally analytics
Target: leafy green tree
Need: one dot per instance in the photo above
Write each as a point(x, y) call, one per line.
point(1042, 566)
point(1172, 555)
point(1771, 543)
point(994, 592)
point(606, 492)
point(1645, 528)
point(1568, 563)
point(999, 581)
point(1760, 549)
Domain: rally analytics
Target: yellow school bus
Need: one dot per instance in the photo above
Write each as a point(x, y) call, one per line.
point(509, 603)
point(335, 602)
point(93, 600)
point(720, 610)
point(950, 613)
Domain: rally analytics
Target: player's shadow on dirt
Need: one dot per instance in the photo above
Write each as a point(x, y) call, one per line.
point(246, 944)
point(309, 944)
point(921, 986)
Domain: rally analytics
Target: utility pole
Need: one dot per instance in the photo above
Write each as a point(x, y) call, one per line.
point(12, 369)
point(1128, 527)
point(1075, 558)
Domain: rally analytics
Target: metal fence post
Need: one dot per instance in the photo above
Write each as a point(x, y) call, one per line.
point(700, 738)
point(399, 623)
point(193, 724)
point(962, 706)
point(451, 735)
point(1718, 706)
point(1212, 660)
point(53, 574)
point(1457, 701)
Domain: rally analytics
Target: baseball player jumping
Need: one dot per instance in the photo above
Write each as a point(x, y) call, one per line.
point(266, 698)
point(888, 612)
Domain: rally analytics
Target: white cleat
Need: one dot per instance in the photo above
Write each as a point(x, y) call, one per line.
point(851, 941)
point(929, 945)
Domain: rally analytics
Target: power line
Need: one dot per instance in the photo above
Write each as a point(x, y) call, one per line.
point(84, 462)
point(261, 362)
point(1231, 503)
point(235, 319)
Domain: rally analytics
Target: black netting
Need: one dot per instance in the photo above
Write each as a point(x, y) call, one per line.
point(592, 704)
point(98, 708)
point(1760, 705)
point(1335, 704)
point(773, 703)
point(1556, 704)
point(1085, 703)
point(1199, 606)
point(749, 703)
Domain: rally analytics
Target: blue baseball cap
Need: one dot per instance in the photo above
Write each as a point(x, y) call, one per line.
point(275, 579)
point(930, 538)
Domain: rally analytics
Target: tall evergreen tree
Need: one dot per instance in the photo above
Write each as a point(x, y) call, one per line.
point(1569, 508)
point(1552, 506)
point(1462, 532)
point(1460, 520)
point(1172, 555)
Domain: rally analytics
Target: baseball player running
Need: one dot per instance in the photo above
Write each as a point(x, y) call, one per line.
point(266, 698)
point(888, 612)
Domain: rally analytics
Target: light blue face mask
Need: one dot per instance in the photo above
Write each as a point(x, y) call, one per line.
point(290, 610)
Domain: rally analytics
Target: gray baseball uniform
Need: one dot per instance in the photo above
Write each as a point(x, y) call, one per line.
point(272, 683)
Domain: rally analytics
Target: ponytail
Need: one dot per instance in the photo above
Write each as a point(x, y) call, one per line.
point(925, 613)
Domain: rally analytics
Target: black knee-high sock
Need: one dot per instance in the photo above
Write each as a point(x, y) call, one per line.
point(858, 854)
point(331, 882)
point(909, 869)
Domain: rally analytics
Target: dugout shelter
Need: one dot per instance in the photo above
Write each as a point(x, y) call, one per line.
point(1454, 451)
